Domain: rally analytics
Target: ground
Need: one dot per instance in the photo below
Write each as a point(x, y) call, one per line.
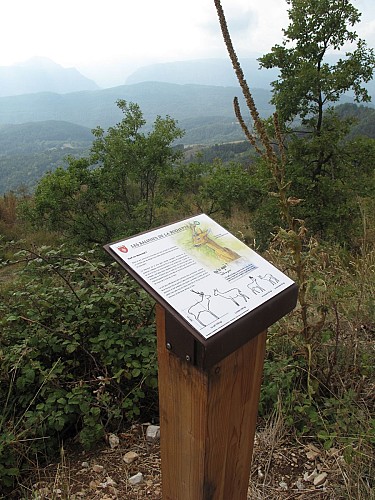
point(282, 469)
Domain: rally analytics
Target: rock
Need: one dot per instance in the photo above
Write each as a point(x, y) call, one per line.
point(312, 455)
point(153, 433)
point(108, 482)
point(299, 484)
point(283, 485)
point(85, 465)
point(137, 479)
point(320, 479)
point(98, 468)
point(113, 441)
point(130, 457)
point(310, 476)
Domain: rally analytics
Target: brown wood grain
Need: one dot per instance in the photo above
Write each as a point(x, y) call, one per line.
point(207, 421)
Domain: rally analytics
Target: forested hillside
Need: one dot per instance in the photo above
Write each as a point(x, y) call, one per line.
point(29, 150)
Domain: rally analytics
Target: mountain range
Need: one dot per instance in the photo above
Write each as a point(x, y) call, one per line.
point(218, 72)
point(55, 115)
point(40, 74)
point(92, 108)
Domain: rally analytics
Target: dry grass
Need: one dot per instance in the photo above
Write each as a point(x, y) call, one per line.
point(280, 464)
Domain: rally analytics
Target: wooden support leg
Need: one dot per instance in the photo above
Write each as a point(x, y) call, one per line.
point(207, 421)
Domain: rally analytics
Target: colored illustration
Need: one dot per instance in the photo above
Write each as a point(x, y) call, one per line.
point(201, 239)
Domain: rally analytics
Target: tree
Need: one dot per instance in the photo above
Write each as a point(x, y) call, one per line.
point(113, 192)
point(307, 81)
point(319, 165)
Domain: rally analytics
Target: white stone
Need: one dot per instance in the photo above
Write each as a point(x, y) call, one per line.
point(130, 457)
point(312, 455)
point(97, 468)
point(137, 479)
point(320, 479)
point(283, 485)
point(260, 473)
point(113, 441)
point(310, 476)
point(153, 433)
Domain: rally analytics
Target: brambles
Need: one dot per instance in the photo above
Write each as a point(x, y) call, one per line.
point(78, 353)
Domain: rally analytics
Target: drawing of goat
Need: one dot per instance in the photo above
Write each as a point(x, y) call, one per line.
point(231, 294)
point(254, 286)
point(270, 278)
point(200, 307)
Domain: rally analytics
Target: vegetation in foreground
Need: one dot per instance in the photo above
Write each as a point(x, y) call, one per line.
point(77, 336)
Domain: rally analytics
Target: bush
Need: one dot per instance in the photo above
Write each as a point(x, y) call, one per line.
point(78, 353)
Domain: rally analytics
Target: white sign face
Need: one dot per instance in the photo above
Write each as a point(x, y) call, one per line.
point(204, 272)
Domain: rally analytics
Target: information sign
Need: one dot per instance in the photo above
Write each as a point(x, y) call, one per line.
point(202, 271)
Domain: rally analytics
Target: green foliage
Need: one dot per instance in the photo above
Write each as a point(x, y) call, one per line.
point(77, 353)
point(307, 81)
point(112, 192)
point(321, 163)
point(213, 187)
point(329, 173)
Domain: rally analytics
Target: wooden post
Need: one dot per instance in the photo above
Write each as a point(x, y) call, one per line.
point(210, 350)
point(207, 421)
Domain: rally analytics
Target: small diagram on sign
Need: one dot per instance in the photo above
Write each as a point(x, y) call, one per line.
point(255, 287)
point(234, 294)
point(200, 311)
point(258, 288)
point(270, 278)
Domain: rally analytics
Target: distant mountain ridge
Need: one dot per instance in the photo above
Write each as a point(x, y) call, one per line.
point(93, 108)
point(218, 72)
point(40, 74)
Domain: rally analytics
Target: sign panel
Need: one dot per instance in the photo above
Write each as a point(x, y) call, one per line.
point(206, 274)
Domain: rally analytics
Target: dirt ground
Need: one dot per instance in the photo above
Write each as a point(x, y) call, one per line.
point(282, 469)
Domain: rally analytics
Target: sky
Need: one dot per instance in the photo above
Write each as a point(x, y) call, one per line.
point(108, 39)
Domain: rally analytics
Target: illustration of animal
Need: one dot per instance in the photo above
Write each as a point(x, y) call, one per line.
point(201, 238)
point(202, 308)
point(254, 286)
point(232, 294)
point(270, 278)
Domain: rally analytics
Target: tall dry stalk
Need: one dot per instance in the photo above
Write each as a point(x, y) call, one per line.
point(293, 234)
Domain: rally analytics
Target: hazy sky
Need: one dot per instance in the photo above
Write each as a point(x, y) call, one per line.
point(107, 39)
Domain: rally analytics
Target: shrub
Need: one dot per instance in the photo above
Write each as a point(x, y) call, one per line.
point(78, 353)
